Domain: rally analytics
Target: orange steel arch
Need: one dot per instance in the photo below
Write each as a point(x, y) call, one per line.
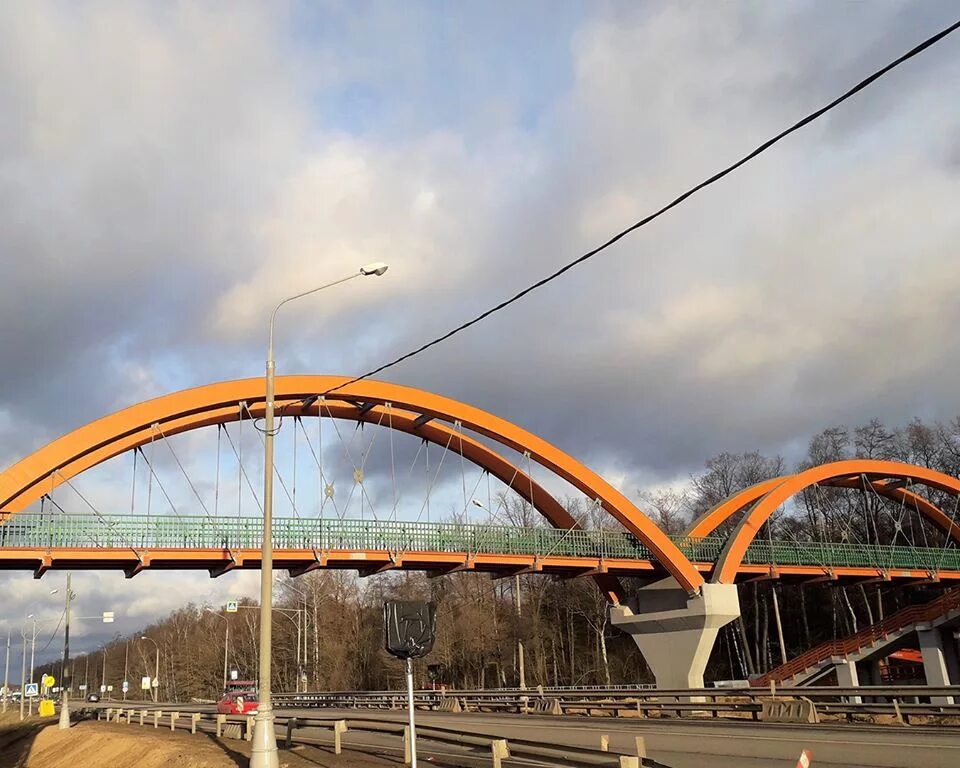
point(714, 517)
point(31, 477)
point(717, 515)
point(842, 471)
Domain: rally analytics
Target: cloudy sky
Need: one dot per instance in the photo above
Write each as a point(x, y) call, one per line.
point(168, 171)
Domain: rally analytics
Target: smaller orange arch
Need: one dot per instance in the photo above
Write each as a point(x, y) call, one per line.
point(718, 514)
point(714, 517)
point(733, 552)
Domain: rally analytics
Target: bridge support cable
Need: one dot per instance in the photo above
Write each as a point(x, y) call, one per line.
point(347, 454)
point(325, 488)
point(898, 530)
point(216, 486)
point(261, 434)
point(433, 480)
point(359, 475)
point(110, 525)
point(948, 542)
point(393, 463)
point(215, 520)
point(241, 471)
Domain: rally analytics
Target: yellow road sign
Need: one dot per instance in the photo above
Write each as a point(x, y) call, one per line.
point(49, 681)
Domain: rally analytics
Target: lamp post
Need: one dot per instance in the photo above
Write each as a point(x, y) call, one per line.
point(64, 723)
point(226, 644)
point(301, 671)
point(103, 673)
point(156, 675)
point(263, 752)
point(6, 675)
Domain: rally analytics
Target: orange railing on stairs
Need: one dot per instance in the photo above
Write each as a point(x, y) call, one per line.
point(914, 614)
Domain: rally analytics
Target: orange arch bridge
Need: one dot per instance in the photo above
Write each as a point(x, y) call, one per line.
point(692, 560)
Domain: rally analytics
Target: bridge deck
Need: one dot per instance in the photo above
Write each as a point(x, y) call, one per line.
point(31, 541)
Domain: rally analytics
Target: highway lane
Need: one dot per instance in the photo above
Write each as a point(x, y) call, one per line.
point(696, 744)
point(683, 743)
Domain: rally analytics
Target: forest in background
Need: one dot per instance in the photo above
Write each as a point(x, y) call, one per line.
point(562, 625)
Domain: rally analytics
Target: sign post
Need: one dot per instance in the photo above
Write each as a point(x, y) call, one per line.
point(409, 629)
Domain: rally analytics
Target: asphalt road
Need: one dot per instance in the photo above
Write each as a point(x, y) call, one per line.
point(676, 743)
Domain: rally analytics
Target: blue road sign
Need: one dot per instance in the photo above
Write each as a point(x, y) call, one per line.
point(31, 689)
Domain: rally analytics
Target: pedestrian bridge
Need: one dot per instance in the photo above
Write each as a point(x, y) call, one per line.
point(346, 513)
point(134, 542)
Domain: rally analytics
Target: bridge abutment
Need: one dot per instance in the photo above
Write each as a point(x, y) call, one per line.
point(676, 632)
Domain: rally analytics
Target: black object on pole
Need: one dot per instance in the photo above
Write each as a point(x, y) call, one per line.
point(409, 628)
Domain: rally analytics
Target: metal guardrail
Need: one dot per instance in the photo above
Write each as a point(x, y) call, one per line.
point(493, 748)
point(900, 702)
point(31, 529)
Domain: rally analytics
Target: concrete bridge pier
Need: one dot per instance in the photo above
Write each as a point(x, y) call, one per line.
point(676, 632)
point(938, 658)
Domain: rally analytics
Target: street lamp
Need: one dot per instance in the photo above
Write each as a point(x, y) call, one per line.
point(226, 643)
point(156, 674)
point(263, 753)
point(64, 723)
point(301, 670)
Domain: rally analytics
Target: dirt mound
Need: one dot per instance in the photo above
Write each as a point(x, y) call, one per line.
point(97, 745)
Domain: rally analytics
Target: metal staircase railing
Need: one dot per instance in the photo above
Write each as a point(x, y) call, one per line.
point(902, 619)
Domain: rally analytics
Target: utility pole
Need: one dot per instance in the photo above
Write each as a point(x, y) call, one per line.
point(86, 673)
point(103, 674)
point(23, 670)
point(6, 675)
point(776, 614)
point(226, 653)
point(126, 658)
point(33, 650)
point(516, 602)
point(65, 668)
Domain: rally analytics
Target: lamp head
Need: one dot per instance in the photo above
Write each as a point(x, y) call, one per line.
point(376, 268)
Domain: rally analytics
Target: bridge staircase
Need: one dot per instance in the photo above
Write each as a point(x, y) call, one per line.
point(819, 661)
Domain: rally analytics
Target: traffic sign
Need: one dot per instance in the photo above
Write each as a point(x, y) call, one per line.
point(232, 606)
point(83, 686)
point(103, 689)
point(108, 617)
point(48, 681)
point(145, 683)
point(32, 689)
point(155, 683)
point(109, 689)
point(125, 686)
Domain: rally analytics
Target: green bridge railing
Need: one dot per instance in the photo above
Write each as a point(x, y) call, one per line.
point(197, 532)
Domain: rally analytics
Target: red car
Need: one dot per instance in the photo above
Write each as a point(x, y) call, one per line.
point(240, 698)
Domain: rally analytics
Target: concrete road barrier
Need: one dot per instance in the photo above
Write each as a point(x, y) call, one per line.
point(451, 704)
point(798, 710)
point(549, 706)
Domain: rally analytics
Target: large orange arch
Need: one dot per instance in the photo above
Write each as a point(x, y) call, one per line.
point(841, 473)
point(30, 478)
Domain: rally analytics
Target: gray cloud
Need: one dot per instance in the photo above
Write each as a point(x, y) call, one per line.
point(165, 175)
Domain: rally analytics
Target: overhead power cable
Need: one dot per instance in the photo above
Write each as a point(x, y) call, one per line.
point(930, 41)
